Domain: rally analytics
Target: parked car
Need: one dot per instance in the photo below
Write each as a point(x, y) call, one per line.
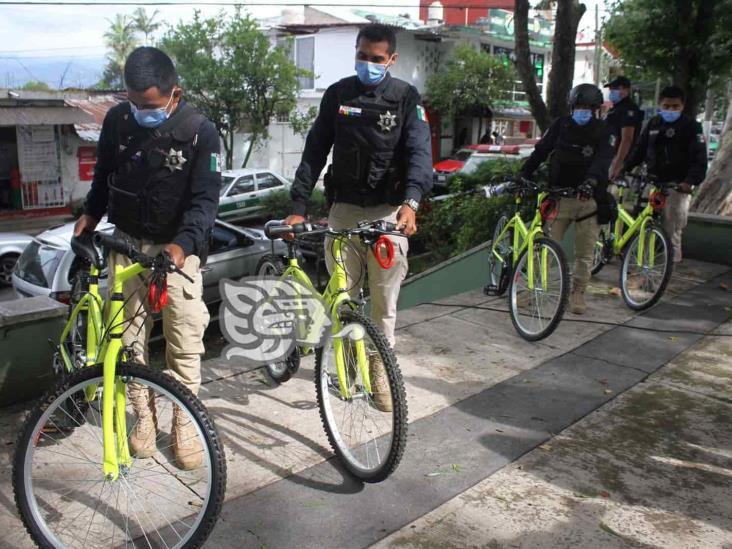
point(445, 168)
point(242, 192)
point(518, 152)
point(11, 246)
point(47, 265)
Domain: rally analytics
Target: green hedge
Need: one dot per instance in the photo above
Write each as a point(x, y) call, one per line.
point(278, 205)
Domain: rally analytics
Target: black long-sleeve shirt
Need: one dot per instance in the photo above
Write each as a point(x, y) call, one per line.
point(204, 181)
point(415, 144)
point(679, 151)
point(598, 168)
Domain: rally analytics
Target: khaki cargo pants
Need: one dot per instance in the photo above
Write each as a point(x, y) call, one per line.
point(585, 236)
point(384, 284)
point(675, 217)
point(184, 318)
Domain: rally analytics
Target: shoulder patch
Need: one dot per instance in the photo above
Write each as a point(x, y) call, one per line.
point(215, 165)
point(422, 114)
point(700, 138)
point(612, 140)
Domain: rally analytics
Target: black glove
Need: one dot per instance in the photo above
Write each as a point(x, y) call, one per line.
point(587, 188)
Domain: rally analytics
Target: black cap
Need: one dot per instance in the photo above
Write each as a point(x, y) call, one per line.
point(617, 82)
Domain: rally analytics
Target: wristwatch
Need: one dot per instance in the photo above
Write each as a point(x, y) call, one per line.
point(412, 203)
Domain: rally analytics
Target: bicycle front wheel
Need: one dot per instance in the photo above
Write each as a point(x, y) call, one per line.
point(536, 311)
point(367, 429)
point(602, 252)
point(645, 273)
point(60, 488)
point(499, 269)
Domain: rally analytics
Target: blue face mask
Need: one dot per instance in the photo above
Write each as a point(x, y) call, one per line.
point(151, 118)
point(370, 74)
point(581, 116)
point(614, 96)
point(669, 116)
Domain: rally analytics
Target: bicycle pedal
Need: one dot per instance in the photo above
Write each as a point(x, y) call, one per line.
point(491, 290)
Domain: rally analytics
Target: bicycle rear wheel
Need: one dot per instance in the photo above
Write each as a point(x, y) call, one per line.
point(644, 277)
point(499, 270)
point(536, 312)
point(365, 434)
point(63, 496)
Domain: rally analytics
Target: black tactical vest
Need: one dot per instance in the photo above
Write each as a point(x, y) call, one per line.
point(669, 147)
point(369, 164)
point(575, 151)
point(149, 189)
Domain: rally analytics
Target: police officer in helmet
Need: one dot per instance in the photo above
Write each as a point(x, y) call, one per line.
point(674, 149)
point(158, 178)
point(382, 166)
point(580, 149)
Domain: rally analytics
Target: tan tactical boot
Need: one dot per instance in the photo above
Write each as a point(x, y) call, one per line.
point(144, 432)
point(186, 443)
point(577, 303)
point(379, 384)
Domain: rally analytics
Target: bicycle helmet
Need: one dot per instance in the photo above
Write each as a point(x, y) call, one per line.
point(587, 95)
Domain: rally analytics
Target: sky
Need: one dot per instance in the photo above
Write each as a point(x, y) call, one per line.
point(38, 37)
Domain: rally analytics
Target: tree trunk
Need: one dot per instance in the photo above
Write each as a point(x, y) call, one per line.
point(228, 140)
point(569, 13)
point(715, 194)
point(524, 67)
point(252, 140)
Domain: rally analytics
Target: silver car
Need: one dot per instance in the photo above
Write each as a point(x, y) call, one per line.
point(11, 246)
point(242, 191)
point(47, 266)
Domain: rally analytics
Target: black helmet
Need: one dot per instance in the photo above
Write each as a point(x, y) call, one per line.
point(585, 94)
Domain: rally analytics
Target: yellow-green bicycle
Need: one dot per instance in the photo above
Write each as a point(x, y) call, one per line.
point(531, 266)
point(359, 386)
point(643, 244)
point(77, 482)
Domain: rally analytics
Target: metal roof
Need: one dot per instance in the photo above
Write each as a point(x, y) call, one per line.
point(96, 107)
point(43, 116)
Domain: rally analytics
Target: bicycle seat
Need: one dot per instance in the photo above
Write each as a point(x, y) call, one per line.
point(83, 246)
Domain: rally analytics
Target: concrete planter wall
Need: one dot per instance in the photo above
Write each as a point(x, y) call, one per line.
point(26, 357)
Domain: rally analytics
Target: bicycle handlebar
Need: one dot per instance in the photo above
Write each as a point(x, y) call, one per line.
point(162, 262)
point(275, 229)
point(526, 185)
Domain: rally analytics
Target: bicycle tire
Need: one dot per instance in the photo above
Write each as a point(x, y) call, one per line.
point(28, 440)
point(279, 372)
point(563, 295)
point(499, 273)
point(657, 293)
point(399, 410)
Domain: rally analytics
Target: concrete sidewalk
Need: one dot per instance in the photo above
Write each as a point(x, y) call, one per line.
point(464, 367)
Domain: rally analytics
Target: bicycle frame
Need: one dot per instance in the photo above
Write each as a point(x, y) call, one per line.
point(634, 225)
point(335, 295)
point(104, 341)
point(523, 238)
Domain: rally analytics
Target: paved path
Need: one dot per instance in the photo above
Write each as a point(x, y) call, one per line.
point(480, 398)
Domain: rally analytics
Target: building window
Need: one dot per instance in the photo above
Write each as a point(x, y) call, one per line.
point(305, 59)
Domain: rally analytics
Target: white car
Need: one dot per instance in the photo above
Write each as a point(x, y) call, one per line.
point(47, 265)
point(11, 246)
point(242, 191)
point(477, 158)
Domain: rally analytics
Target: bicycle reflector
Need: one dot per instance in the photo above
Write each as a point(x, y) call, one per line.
point(657, 200)
point(384, 252)
point(157, 293)
point(548, 209)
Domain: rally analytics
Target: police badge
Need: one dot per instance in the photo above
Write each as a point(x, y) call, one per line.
point(588, 151)
point(670, 132)
point(387, 121)
point(174, 160)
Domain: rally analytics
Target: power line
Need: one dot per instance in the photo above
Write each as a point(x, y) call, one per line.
point(229, 3)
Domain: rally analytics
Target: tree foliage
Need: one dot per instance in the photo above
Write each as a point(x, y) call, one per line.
point(683, 41)
point(302, 121)
point(120, 40)
point(145, 24)
point(36, 85)
point(471, 83)
point(569, 13)
point(230, 70)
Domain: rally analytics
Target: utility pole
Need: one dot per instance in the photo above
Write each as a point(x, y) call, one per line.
point(598, 46)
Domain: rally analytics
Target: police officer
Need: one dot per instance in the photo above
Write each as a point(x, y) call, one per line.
point(625, 119)
point(673, 146)
point(158, 178)
point(382, 166)
point(580, 150)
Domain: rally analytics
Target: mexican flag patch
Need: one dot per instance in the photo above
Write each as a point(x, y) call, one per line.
point(215, 162)
point(421, 113)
